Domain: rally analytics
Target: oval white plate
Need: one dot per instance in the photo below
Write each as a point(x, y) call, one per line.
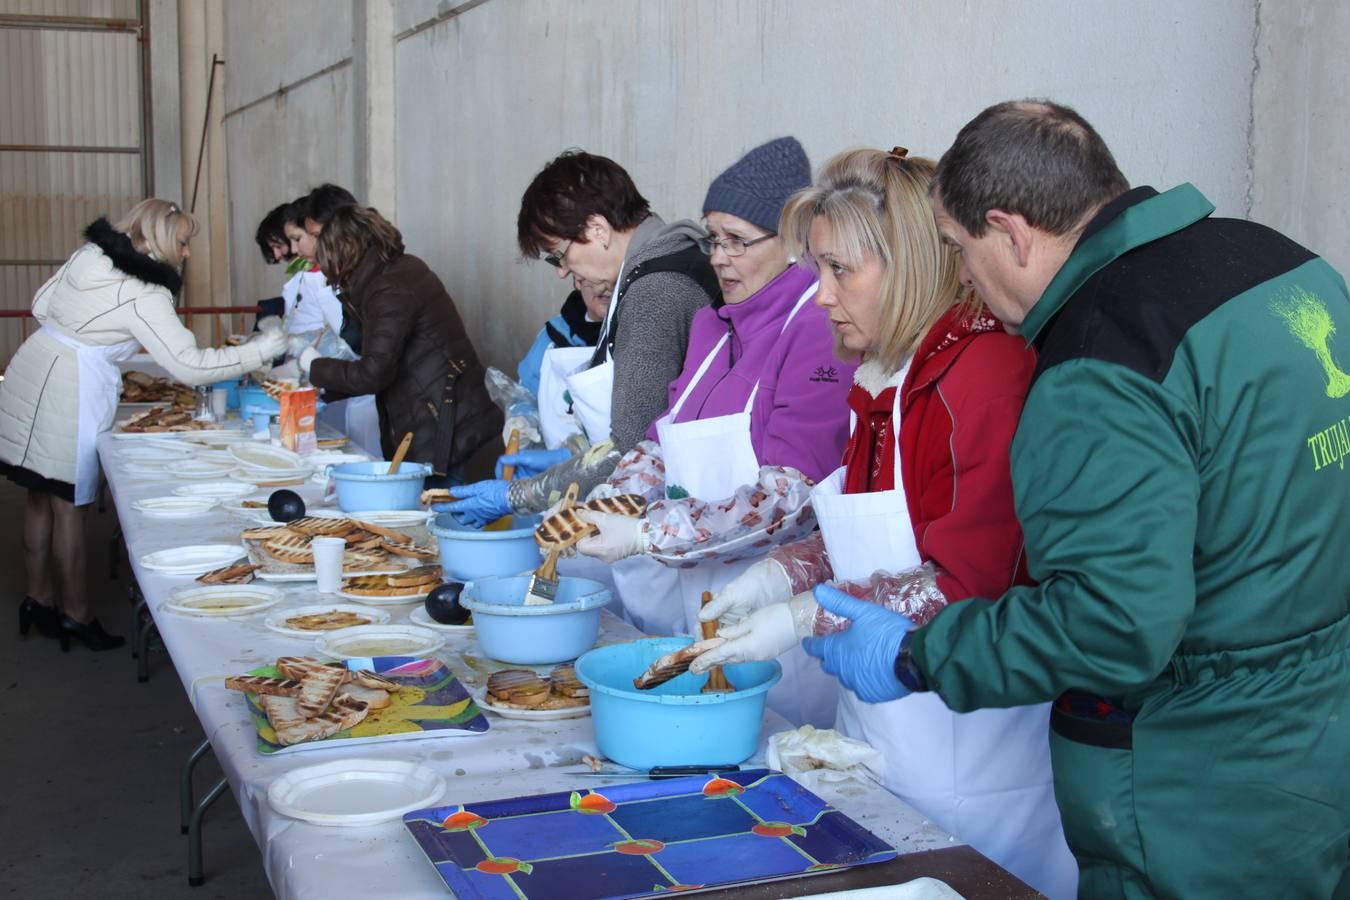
point(219, 439)
point(192, 560)
point(389, 518)
point(268, 476)
point(379, 640)
point(199, 468)
point(223, 599)
point(265, 456)
point(393, 600)
point(355, 792)
point(276, 620)
point(216, 490)
point(174, 507)
point(537, 715)
point(321, 458)
point(422, 619)
point(154, 453)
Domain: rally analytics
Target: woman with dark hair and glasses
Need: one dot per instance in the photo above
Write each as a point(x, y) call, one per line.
point(583, 216)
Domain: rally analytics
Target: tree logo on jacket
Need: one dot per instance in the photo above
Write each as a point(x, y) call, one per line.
point(1310, 323)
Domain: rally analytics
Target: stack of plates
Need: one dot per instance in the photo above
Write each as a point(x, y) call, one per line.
point(216, 490)
point(199, 468)
point(192, 560)
point(174, 507)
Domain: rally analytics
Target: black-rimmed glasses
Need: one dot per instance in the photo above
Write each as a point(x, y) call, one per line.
point(555, 259)
point(731, 246)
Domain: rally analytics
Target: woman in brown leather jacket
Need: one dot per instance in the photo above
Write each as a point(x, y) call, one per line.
point(415, 358)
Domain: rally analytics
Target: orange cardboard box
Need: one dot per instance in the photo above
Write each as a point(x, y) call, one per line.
point(298, 420)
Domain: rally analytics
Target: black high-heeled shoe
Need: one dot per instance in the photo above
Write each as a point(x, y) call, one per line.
point(91, 634)
point(33, 614)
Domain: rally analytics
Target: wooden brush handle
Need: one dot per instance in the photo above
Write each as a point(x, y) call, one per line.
point(401, 452)
point(548, 571)
point(512, 446)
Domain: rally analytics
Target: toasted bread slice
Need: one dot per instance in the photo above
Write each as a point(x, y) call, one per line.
point(364, 540)
point(364, 559)
point(409, 548)
point(317, 689)
point(263, 532)
point(321, 525)
point(328, 621)
point(280, 710)
point(322, 726)
point(291, 547)
point(374, 698)
point(240, 573)
point(379, 586)
point(296, 666)
point(562, 529)
point(631, 505)
point(415, 577)
point(674, 664)
point(377, 682)
point(253, 504)
point(563, 681)
point(261, 684)
point(437, 495)
point(350, 710)
point(380, 530)
point(518, 686)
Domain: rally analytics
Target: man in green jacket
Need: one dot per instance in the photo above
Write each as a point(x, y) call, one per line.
point(1180, 477)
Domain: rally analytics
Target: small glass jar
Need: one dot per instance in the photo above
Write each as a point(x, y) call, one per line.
point(203, 413)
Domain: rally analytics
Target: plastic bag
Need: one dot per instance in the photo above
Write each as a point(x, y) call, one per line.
point(330, 345)
point(519, 404)
point(814, 756)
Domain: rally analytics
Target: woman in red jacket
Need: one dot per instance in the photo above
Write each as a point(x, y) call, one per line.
point(915, 523)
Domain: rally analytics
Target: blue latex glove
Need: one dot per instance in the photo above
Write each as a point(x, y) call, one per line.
point(532, 462)
point(863, 657)
point(478, 504)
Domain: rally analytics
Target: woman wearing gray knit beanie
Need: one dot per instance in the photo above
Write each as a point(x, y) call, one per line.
point(757, 415)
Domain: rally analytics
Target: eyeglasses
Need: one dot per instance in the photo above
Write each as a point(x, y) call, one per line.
point(555, 259)
point(732, 246)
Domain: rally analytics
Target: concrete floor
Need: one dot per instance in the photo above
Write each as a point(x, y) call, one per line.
point(91, 759)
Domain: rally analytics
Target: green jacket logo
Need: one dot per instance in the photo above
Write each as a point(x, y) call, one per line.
point(1311, 324)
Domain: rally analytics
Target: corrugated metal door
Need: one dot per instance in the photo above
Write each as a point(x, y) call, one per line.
point(73, 126)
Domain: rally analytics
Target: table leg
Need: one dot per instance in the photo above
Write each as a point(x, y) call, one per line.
point(195, 876)
point(143, 660)
point(185, 785)
point(138, 607)
point(115, 552)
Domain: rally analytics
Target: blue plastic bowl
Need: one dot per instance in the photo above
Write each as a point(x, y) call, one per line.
point(365, 485)
point(468, 553)
point(253, 398)
point(231, 389)
point(673, 724)
point(509, 631)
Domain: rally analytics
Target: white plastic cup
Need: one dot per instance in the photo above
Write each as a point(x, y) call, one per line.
point(220, 403)
point(328, 562)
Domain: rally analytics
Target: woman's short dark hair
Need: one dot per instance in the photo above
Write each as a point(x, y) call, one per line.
point(1032, 157)
point(272, 229)
point(325, 200)
point(294, 212)
point(570, 189)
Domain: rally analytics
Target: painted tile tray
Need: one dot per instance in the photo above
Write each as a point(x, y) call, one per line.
point(641, 840)
point(433, 704)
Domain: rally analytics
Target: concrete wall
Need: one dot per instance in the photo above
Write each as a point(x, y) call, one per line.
point(675, 90)
point(1301, 146)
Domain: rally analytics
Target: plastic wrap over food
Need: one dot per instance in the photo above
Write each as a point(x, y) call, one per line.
point(913, 593)
point(806, 562)
point(773, 510)
point(519, 404)
point(642, 471)
point(329, 346)
point(589, 469)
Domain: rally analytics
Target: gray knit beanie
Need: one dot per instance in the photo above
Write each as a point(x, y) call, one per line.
point(760, 182)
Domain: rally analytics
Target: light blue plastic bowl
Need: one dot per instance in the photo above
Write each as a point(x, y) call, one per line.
point(509, 631)
point(468, 553)
point(252, 398)
point(673, 724)
point(365, 485)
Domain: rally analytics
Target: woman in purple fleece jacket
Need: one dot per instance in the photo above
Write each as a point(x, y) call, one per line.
point(757, 414)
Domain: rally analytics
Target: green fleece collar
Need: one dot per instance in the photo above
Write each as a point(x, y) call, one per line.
point(1143, 223)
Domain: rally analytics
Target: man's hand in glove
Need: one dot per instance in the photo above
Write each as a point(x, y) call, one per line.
point(620, 536)
point(763, 584)
point(863, 657)
point(765, 634)
point(479, 503)
point(531, 462)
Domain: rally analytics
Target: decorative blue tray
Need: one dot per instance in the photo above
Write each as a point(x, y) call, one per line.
point(642, 839)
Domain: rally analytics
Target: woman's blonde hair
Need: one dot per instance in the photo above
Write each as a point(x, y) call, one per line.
point(153, 228)
point(349, 234)
point(877, 203)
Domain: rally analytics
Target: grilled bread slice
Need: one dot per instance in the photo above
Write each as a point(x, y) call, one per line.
point(364, 559)
point(377, 682)
point(674, 664)
point(298, 666)
point(422, 575)
point(562, 529)
point(291, 547)
point(631, 505)
point(316, 525)
point(519, 687)
point(364, 540)
point(261, 684)
point(437, 495)
point(263, 532)
point(380, 530)
point(240, 573)
point(327, 621)
point(564, 682)
point(317, 689)
point(351, 710)
point(374, 698)
point(379, 586)
point(408, 547)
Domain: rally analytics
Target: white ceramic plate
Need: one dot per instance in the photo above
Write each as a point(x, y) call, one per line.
point(355, 792)
point(365, 641)
point(199, 468)
point(216, 490)
point(154, 453)
point(223, 599)
point(193, 559)
point(174, 507)
point(143, 470)
point(219, 439)
point(268, 476)
point(394, 600)
point(420, 618)
point(537, 715)
point(276, 620)
point(265, 456)
point(216, 455)
point(389, 518)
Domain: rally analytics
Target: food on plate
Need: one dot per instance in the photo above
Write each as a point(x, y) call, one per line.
point(674, 664)
point(443, 604)
point(364, 559)
point(292, 726)
point(436, 495)
point(563, 680)
point(631, 505)
point(290, 547)
point(406, 546)
point(261, 684)
point(275, 387)
point(381, 586)
point(416, 577)
point(139, 387)
point(373, 698)
point(158, 419)
point(253, 504)
point(518, 687)
point(239, 573)
point(562, 529)
point(285, 506)
point(318, 688)
point(328, 621)
point(361, 540)
point(320, 525)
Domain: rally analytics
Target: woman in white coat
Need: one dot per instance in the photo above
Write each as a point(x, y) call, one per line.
point(921, 514)
point(113, 296)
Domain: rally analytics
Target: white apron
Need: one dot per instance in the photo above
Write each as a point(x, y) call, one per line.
point(592, 389)
point(100, 387)
point(984, 776)
point(709, 459)
point(556, 420)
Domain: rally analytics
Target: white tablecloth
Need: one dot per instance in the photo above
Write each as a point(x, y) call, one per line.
point(512, 758)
